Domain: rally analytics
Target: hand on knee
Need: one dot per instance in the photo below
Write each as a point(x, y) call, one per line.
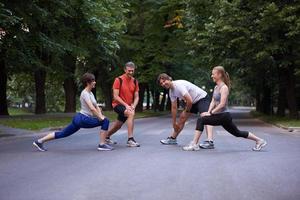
point(129, 113)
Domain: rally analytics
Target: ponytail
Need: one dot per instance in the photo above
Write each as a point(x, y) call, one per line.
point(225, 75)
point(227, 79)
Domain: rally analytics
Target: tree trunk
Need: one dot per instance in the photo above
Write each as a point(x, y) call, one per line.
point(148, 97)
point(281, 99)
point(155, 104)
point(142, 87)
point(3, 85)
point(290, 92)
point(163, 101)
point(70, 89)
point(266, 99)
point(40, 79)
point(168, 107)
point(70, 86)
point(106, 87)
point(258, 98)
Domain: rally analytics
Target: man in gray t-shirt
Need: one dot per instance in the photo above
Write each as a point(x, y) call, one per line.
point(196, 99)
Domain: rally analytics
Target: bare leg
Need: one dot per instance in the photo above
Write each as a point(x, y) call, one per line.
point(48, 137)
point(115, 127)
point(130, 124)
point(209, 132)
point(197, 137)
point(182, 119)
point(253, 137)
point(102, 136)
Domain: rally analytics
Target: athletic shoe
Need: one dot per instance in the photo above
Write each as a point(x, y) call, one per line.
point(207, 145)
point(132, 143)
point(105, 147)
point(191, 147)
point(259, 145)
point(110, 141)
point(39, 146)
point(169, 141)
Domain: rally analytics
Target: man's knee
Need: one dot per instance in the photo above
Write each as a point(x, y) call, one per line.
point(129, 113)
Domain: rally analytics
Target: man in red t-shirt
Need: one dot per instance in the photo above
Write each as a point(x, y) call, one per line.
point(126, 98)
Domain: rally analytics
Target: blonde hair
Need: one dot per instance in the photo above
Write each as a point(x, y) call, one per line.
point(225, 75)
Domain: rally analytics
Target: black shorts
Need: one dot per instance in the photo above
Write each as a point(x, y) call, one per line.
point(120, 109)
point(201, 106)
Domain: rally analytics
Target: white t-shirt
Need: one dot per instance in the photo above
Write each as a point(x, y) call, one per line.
point(182, 87)
point(85, 95)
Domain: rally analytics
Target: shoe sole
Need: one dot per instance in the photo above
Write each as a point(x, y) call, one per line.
point(206, 147)
point(37, 146)
point(168, 143)
point(191, 149)
point(102, 149)
point(128, 145)
point(262, 146)
point(111, 143)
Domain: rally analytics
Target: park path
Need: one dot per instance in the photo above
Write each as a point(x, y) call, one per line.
point(73, 168)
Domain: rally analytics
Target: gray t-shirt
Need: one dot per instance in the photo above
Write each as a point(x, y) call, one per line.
point(217, 98)
point(85, 96)
point(182, 87)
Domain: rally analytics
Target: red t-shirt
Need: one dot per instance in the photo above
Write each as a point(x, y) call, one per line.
point(127, 90)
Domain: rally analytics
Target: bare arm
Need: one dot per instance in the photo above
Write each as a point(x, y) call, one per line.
point(174, 111)
point(95, 110)
point(211, 105)
point(116, 93)
point(189, 102)
point(224, 96)
point(136, 100)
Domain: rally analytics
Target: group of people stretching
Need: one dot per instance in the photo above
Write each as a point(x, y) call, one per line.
point(126, 97)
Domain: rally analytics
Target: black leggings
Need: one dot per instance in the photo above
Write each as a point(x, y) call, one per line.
point(221, 119)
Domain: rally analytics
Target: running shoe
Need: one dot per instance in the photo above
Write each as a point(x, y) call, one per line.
point(110, 141)
point(259, 145)
point(39, 146)
point(207, 145)
point(132, 143)
point(105, 147)
point(169, 141)
point(191, 147)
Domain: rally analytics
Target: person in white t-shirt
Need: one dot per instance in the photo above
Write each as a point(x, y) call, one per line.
point(197, 101)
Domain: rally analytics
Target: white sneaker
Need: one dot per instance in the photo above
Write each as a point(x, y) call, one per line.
point(191, 147)
point(259, 145)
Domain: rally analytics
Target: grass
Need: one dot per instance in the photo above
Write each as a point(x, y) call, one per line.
point(19, 111)
point(273, 119)
point(44, 121)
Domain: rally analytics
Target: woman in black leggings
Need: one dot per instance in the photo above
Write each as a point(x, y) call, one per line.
point(218, 114)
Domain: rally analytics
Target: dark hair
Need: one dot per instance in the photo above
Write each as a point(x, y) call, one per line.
point(130, 64)
point(163, 76)
point(87, 78)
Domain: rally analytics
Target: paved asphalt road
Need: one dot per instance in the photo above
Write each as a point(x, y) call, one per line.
point(73, 168)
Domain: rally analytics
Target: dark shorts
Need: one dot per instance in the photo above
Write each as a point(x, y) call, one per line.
point(120, 109)
point(201, 106)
